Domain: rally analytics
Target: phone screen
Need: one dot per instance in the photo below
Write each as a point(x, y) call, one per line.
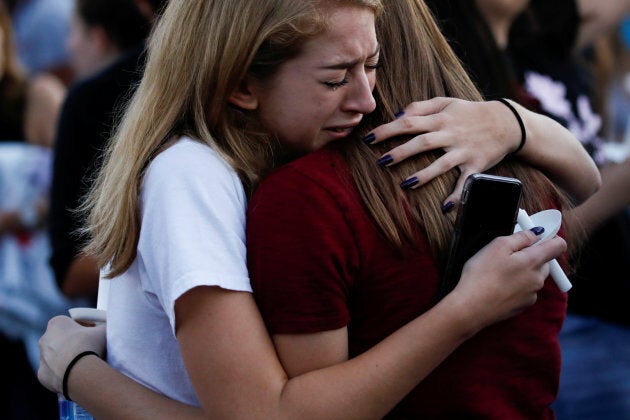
point(489, 208)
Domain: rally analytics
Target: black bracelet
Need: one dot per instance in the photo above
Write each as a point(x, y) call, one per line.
point(520, 124)
point(66, 374)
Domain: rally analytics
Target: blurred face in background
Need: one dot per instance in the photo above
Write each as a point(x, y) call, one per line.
point(89, 48)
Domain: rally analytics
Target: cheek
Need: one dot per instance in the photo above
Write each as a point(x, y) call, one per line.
point(372, 81)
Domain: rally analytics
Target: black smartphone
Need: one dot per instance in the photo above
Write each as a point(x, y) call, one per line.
point(489, 208)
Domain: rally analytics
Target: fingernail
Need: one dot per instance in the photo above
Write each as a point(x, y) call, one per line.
point(385, 160)
point(409, 183)
point(399, 114)
point(448, 207)
point(538, 230)
point(369, 138)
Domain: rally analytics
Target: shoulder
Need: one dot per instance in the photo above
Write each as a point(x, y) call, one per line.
point(45, 94)
point(190, 163)
point(107, 86)
point(45, 84)
point(315, 187)
point(82, 94)
point(190, 154)
point(323, 170)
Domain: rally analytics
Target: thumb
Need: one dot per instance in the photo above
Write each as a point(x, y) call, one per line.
point(525, 238)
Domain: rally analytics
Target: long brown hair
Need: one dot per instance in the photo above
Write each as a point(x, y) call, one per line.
point(418, 64)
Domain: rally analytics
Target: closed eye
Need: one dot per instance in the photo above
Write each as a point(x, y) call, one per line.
point(337, 85)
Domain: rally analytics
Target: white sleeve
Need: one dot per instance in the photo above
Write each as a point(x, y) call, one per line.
point(193, 224)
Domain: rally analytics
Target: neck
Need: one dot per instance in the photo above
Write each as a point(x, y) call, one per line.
point(499, 20)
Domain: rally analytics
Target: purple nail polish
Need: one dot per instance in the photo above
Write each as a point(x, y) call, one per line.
point(385, 160)
point(447, 207)
point(369, 139)
point(538, 230)
point(409, 183)
point(399, 114)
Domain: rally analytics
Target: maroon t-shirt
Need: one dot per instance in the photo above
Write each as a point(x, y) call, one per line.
point(318, 262)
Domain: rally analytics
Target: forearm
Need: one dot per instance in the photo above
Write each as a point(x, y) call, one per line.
point(557, 153)
point(367, 386)
point(106, 393)
point(81, 278)
point(235, 370)
point(612, 197)
point(371, 384)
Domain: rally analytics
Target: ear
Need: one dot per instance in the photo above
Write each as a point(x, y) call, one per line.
point(244, 97)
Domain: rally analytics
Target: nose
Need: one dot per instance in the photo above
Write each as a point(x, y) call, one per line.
point(360, 98)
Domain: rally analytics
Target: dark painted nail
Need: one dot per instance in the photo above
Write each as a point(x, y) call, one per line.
point(399, 114)
point(448, 207)
point(408, 183)
point(538, 230)
point(385, 160)
point(369, 138)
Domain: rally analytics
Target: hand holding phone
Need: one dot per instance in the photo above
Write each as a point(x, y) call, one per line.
point(489, 208)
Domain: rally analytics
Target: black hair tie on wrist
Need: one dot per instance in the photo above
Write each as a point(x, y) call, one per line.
point(520, 124)
point(66, 374)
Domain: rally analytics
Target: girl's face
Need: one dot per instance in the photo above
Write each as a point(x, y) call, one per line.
point(322, 94)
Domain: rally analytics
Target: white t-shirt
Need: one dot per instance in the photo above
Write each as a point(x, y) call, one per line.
point(192, 234)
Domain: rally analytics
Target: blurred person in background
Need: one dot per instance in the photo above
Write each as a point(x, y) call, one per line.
point(107, 50)
point(41, 28)
point(532, 52)
point(101, 31)
point(29, 108)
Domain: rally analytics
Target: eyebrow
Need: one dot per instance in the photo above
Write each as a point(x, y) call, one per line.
point(348, 64)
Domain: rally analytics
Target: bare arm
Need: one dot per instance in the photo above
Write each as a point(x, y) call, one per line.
point(478, 135)
point(43, 105)
point(327, 348)
point(81, 278)
point(612, 197)
point(131, 400)
point(103, 391)
point(236, 373)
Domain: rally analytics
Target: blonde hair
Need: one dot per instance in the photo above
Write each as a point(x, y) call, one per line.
point(199, 52)
point(418, 64)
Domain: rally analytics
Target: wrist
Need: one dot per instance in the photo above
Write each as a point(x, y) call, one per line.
point(69, 369)
point(521, 125)
point(466, 319)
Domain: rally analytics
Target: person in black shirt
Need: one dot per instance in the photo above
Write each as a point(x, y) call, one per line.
point(88, 117)
point(531, 52)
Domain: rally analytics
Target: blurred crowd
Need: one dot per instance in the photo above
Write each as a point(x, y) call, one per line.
point(67, 66)
point(64, 67)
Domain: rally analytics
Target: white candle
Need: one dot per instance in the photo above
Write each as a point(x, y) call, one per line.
point(561, 279)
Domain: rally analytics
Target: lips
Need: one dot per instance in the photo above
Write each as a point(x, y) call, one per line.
point(343, 130)
point(340, 132)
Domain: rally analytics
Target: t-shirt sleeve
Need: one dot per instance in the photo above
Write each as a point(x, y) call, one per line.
point(193, 225)
point(301, 255)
